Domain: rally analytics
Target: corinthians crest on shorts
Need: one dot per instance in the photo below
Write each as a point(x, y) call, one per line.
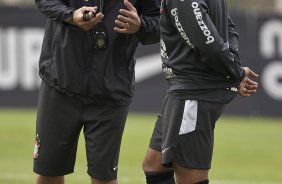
point(36, 147)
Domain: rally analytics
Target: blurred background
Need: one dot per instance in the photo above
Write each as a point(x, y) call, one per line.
point(248, 137)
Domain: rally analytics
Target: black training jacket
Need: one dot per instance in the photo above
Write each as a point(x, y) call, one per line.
point(199, 49)
point(70, 63)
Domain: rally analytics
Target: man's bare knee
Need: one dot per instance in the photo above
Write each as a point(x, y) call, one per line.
point(152, 162)
point(95, 181)
point(189, 176)
point(49, 180)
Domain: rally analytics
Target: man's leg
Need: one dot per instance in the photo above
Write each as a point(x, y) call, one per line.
point(190, 176)
point(94, 181)
point(154, 171)
point(103, 131)
point(58, 126)
point(195, 144)
point(157, 174)
point(49, 180)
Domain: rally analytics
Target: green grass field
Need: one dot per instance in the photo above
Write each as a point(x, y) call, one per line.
point(247, 150)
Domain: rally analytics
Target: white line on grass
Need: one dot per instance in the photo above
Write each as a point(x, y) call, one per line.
point(123, 180)
point(128, 180)
point(13, 176)
point(240, 182)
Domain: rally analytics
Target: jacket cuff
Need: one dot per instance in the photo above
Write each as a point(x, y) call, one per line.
point(67, 17)
point(237, 59)
point(242, 73)
point(140, 33)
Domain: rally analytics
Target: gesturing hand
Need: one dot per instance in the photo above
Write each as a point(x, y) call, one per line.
point(247, 86)
point(77, 18)
point(128, 22)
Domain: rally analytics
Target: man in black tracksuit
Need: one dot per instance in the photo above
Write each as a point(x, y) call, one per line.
point(199, 49)
point(87, 68)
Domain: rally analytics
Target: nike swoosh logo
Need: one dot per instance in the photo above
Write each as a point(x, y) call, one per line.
point(164, 150)
point(147, 66)
point(115, 168)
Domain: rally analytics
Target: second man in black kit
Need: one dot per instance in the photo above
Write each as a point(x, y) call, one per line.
point(201, 63)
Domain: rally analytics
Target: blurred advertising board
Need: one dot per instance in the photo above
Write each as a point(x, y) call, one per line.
point(21, 34)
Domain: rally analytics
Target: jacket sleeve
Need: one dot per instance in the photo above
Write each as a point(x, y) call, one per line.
point(193, 21)
point(233, 39)
point(55, 10)
point(149, 13)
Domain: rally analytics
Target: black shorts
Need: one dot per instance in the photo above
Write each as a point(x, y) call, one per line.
point(60, 119)
point(184, 132)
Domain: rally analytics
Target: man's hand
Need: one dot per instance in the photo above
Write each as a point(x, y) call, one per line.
point(247, 86)
point(77, 18)
point(128, 22)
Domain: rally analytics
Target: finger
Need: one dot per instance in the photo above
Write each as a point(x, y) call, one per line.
point(126, 13)
point(242, 90)
point(247, 92)
point(119, 30)
point(252, 87)
point(93, 9)
point(121, 24)
point(251, 82)
point(125, 19)
point(248, 81)
point(92, 14)
point(251, 92)
point(88, 13)
point(252, 73)
point(96, 19)
point(244, 94)
point(86, 25)
point(242, 85)
point(83, 8)
point(129, 6)
point(88, 8)
point(248, 87)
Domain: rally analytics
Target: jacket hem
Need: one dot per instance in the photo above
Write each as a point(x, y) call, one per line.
point(86, 99)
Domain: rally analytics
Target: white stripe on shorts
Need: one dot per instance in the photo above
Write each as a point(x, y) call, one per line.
point(189, 118)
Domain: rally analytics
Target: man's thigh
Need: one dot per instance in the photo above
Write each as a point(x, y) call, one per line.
point(103, 129)
point(58, 126)
point(184, 132)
